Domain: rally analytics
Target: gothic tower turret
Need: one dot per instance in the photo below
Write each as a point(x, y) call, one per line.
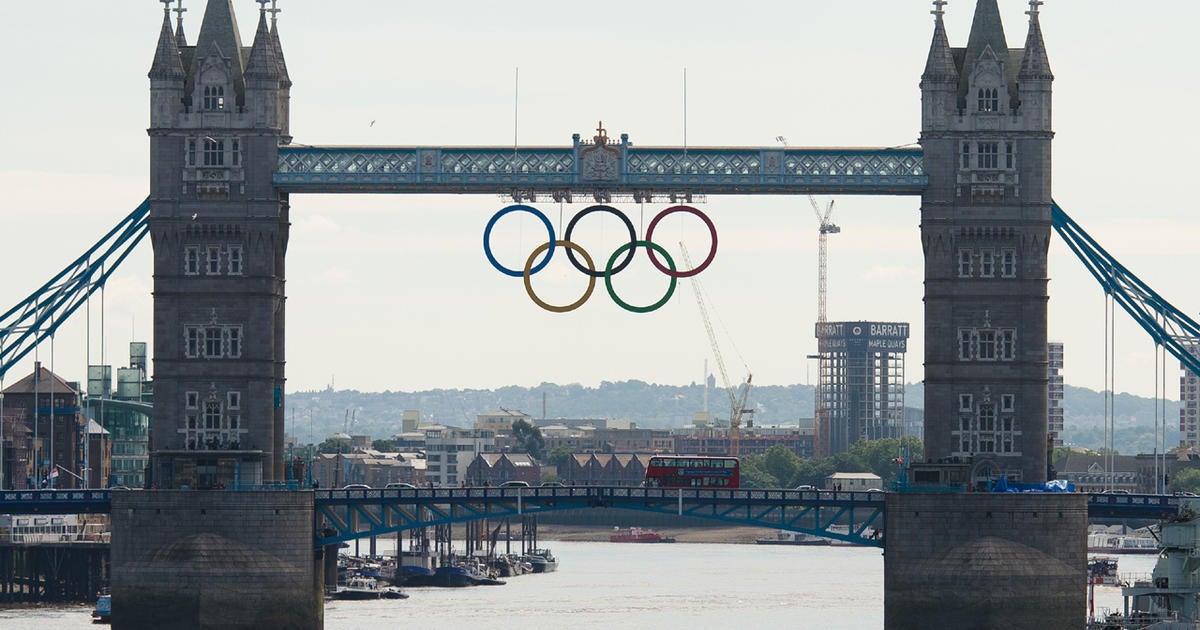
point(985, 229)
point(219, 230)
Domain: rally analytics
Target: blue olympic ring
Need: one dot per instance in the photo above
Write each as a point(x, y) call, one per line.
point(487, 237)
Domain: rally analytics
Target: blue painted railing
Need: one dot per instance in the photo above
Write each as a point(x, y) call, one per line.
point(587, 169)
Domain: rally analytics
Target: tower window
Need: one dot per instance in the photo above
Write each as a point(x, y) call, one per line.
point(987, 263)
point(235, 260)
point(192, 400)
point(214, 152)
point(1007, 402)
point(987, 344)
point(191, 260)
point(214, 98)
point(964, 263)
point(966, 155)
point(1008, 344)
point(214, 260)
point(191, 152)
point(234, 400)
point(1008, 155)
point(1008, 263)
point(212, 342)
point(989, 100)
point(965, 402)
point(988, 155)
point(964, 344)
point(191, 347)
point(235, 342)
point(212, 414)
point(235, 152)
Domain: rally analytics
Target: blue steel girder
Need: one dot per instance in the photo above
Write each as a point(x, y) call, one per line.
point(344, 515)
point(1168, 326)
point(38, 316)
point(589, 169)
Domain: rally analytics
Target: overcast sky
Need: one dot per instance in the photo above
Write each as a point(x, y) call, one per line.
point(395, 293)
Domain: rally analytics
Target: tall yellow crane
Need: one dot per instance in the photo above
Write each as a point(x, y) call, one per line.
point(737, 396)
point(826, 227)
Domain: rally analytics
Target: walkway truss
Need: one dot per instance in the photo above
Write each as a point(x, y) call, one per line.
point(853, 517)
point(1167, 325)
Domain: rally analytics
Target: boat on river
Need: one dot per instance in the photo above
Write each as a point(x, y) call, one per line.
point(1102, 570)
point(793, 538)
point(542, 560)
point(1117, 543)
point(361, 588)
point(103, 610)
point(638, 535)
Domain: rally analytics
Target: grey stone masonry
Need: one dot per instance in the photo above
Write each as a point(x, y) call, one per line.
point(214, 560)
point(985, 233)
point(220, 232)
point(1002, 561)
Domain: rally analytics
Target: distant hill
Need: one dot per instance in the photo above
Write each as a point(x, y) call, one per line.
point(650, 405)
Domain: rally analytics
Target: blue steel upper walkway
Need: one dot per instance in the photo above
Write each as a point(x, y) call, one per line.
point(600, 169)
point(855, 517)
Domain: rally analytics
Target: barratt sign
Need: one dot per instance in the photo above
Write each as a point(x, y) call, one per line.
point(862, 337)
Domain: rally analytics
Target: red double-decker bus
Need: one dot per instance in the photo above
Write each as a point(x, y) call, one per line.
point(692, 471)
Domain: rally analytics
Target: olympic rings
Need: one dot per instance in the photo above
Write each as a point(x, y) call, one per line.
point(613, 294)
point(628, 226)
point(591, 278)
point(487, 235)
point(612, 268)
point(712, 252)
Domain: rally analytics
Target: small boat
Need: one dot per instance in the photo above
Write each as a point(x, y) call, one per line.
point(103, 611)
point(1103, 570)
point(411, 575)
point(638, 535)
point(1117, 543)
point(542, 560)
point(462, 575)
point(359, 587)
point(793, 538)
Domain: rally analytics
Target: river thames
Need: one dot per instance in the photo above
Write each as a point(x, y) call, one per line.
point(607, 585)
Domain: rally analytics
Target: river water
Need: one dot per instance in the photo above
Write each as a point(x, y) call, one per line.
point(606, 585)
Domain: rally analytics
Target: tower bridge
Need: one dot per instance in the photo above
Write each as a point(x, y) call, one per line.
point(224, 168)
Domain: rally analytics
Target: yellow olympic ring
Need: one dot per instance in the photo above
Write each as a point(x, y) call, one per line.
point(529, 285)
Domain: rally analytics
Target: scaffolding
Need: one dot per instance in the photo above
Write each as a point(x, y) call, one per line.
point(861, 381)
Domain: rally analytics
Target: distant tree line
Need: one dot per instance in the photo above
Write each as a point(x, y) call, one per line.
point(779, 467)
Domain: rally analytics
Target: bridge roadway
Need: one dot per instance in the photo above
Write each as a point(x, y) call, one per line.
point(348, 514)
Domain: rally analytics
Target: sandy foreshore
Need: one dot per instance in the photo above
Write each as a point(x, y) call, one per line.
point(588, 533)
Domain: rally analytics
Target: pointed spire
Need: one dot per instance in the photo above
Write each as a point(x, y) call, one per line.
point(262, 63)
point(167, 64)
point(219, 32)
point(940, 64)
point(1035, 64)
point(180, 38)
point(987, 31)
point(285, 79)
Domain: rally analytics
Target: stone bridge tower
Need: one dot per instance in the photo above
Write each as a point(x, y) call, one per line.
point(218, 113)
point(985, 231)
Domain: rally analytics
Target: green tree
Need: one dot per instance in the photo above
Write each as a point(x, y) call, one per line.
point(335, 445)
point(753, 474)
point(384, 446)
point(529, 438)
point(1186, 480)
point(782, 464)
point(560, 456)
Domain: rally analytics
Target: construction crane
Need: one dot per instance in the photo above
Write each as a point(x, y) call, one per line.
point(737, 397)
point(826, 227)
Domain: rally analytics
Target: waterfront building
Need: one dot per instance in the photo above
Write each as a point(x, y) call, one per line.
point(449, 450)
point(49, 453)
point(1054, 388)
point(754, 441)
point(218, 114)
point(500, 422)
point(493, 469)
point(369, 467)
point(853, 482)
point(589, 439)
point(861, 382)
point(985, 232)
point(1189, 405)
point(605, 469)
point(125, 414)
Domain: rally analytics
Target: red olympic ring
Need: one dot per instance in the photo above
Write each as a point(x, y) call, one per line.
point(712, 252)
